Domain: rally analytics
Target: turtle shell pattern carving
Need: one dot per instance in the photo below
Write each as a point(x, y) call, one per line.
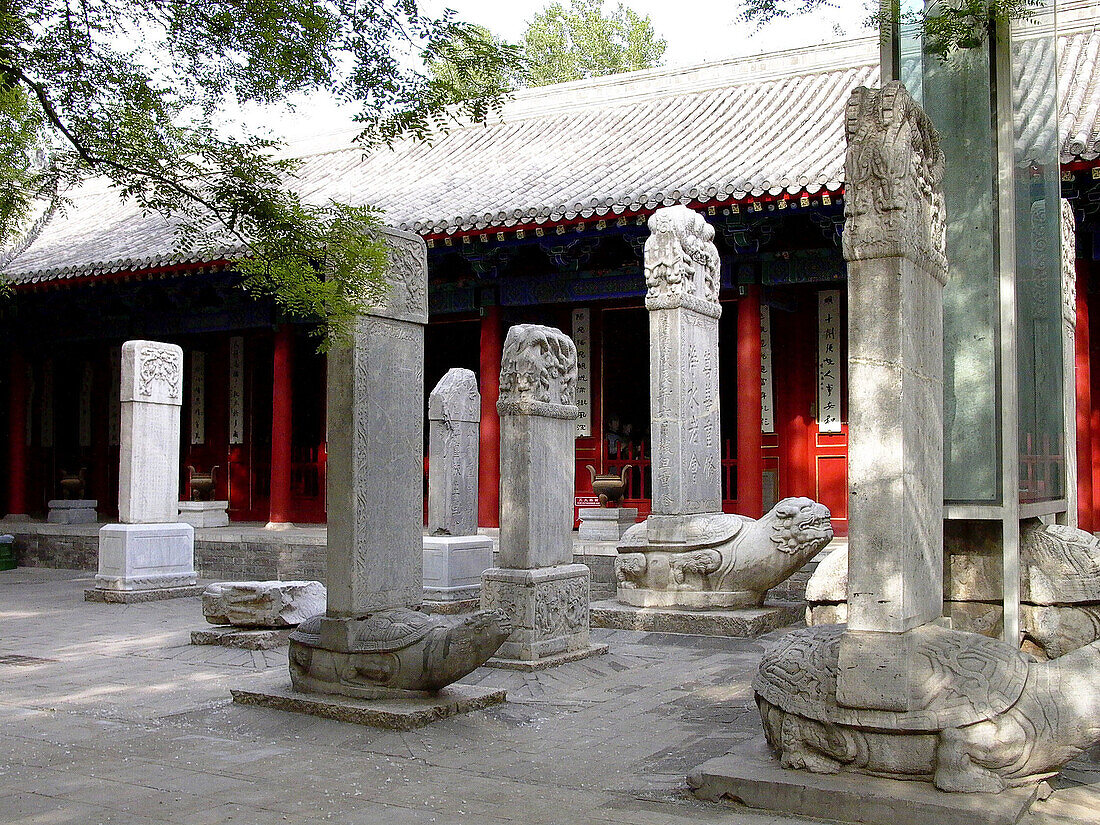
point(970, 682)
point(700, 531)
point(990, 716)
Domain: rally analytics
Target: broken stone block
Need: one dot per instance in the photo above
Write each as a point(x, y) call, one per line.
point(263, 604)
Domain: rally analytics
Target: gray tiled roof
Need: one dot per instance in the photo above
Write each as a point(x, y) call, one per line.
point(625, 143)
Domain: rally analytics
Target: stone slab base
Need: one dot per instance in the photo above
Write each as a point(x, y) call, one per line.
point(753, 778)
point(99, 594)
point(453, 566)
point(146, 556)
point(688, 599)
point(450, 608)
point(392, 714)
point(547, 661)
point(72, 511)
point(744, 623)
point(605, 523)
point(264, 638)
point(204, 513)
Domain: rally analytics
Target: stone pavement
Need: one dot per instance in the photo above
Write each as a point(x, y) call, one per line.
point(108, 715)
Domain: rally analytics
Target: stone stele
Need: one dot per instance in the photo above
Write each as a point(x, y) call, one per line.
point(894, 693)
point(454, 413)
point(150, 549)
point(372, 643)
point(149, 464)
point(455, 556)
point(688, 553)
point(263, 604)
point(545, 596)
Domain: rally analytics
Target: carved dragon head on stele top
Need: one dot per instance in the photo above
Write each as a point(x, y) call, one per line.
point(681, 260)
point(538, 367)
point(893, 172)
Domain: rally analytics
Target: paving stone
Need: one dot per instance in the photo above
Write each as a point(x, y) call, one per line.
point(126, 702)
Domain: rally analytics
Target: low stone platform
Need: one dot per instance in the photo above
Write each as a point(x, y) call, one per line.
point(246, 638)
point(205, 513)
point(98, 594)
point(742, 623)
point(752, 777)
point(72, 511)
point(527, 666)
point(393, 714)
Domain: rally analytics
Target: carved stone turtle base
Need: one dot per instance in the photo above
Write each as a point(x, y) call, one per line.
point(718, 560)
point(396, 653)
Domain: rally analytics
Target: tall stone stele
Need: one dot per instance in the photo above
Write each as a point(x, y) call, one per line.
point(149, 549)
point(455, 555)
point(688, 553)
point(895, 693)
point(537, 585)
point(372, 642)
point(894, 242)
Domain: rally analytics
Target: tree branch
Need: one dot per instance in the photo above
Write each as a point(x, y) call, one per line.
point(93, 160)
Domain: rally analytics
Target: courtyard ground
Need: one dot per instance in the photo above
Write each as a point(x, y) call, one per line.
point(109, 715)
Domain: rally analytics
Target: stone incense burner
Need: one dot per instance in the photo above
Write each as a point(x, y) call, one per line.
point(608, 486)
point(202, 484)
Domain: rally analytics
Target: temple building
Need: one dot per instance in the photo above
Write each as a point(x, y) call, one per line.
point(538, 216)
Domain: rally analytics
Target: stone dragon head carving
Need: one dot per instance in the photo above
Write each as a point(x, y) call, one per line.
point(680, 256)
point(798, 523)
point(539, 364)
point(893, 170)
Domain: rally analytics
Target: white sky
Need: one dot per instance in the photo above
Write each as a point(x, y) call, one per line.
point(696, 31)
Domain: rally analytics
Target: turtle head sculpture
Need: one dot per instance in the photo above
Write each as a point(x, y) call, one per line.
point(726, 561)
point(992, 716)
point(395, 652)
point(800, 526)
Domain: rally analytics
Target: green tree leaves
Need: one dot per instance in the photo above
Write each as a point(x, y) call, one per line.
point(946, 26)
point(126, 90)
point(570, 44)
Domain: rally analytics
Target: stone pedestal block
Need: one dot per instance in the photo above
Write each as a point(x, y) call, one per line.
point(453, 566)
point(72, 511)
point(205, 513)
point(146, 556)
point(548, 607)
point(606, 523)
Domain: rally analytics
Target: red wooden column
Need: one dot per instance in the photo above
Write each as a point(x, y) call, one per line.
point(750, 457)
point(17, 436)
point(279, 503)
point(794, 364)
point(1086, 510)
point(488, 471)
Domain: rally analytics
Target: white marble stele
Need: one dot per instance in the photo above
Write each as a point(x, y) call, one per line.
point(373, 643)
point(72, 511)
point(150, 549)
point(205, 513)
point(605, 523)
point(545, 595)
